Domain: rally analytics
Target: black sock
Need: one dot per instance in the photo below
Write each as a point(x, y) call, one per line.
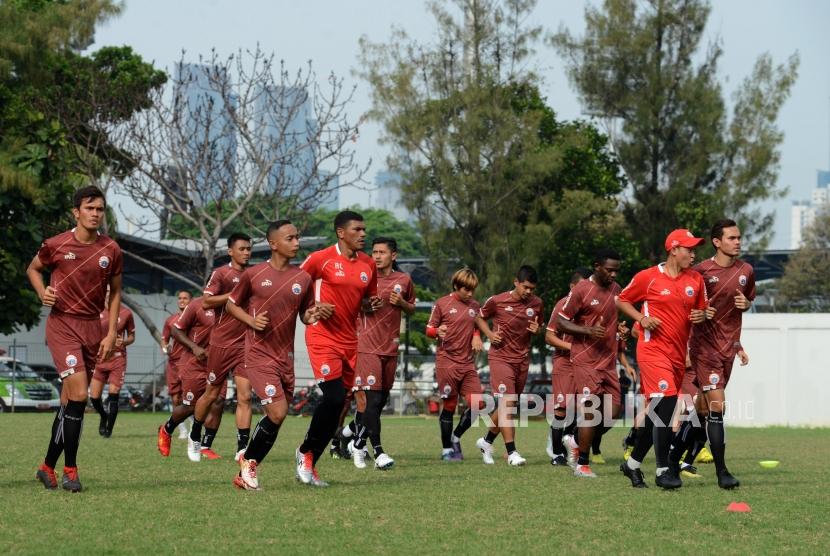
point(714, 428)
point(56, 439)
point(265, 434)
point(378, 449)
point(583, 458)
point(643, 440)
point(98, 405)
point(242, 438)
point(631, 437)
point(599, 430)
point(196, 430)
point(73, 420)
point(490, 437)
point(207, 440)
point(464, 424)
point(171, 425)
point(682, 441)
point(510, 447)
point(570, 428)
point(445, 422)
point(371, 418)
point(663, 433)
point(556, 434)
point(112, 410)
point(325, 418)
point(698, 443)
point(356, 423)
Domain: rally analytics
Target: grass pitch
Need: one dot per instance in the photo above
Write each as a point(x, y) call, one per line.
point(137, 502)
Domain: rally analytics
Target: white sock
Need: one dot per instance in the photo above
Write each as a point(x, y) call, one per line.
point(661, 470)
point(633, 463)
point(446, 451)
point(347, 432)
point(455, 438)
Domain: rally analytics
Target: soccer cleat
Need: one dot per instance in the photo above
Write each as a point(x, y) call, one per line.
point(210, 454)
point(573, 450)
point(486, 451)
point(194, 450)
point(549, 445)
point(305, 466)
point(344, 446)
point(334, 450)
point(46, 475)
point(383, 461)
point(316, 481)
point(727, 481)
point(598, 459)
point(627, 453)
point(689, 472)
point(584, 471)
point(704, 456)
point(457, 455)
point(558, 460)
point(669, 480)
point(446, 454)
point(247, 474)
point(183, 432)
point(70, 480)
point(240, 455)
point(634, 475)
point(358, 455)
point(102, 426)
point(515, 459)
point(163, 442)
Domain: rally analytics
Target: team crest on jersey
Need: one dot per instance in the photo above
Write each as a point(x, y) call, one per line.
point(189, 396)
point(70, 256)
point(560, 398)
point(663, 385)
point(714, 378)
point(358, 381)
point(586, 391)
point(370, 380)
point(502, 388)
point(530, 312)
point(71, 360)
point(296, 289)
point(690, 291)
point(325, 370)
point(270, 390)
point(665, 292)
point(742, 280)
point(447, 389)
point(397, 288)
point(471, 313)
point(266, 283)
point(211, 377)
point(104, 261)
point(364, 277)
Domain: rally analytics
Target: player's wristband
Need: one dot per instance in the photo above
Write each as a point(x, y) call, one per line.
point(432, 332)
point(477, 333)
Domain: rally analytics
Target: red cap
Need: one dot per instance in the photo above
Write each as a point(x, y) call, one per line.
point(682, 238)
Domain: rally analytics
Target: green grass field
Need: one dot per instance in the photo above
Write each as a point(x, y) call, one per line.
point(135, 501)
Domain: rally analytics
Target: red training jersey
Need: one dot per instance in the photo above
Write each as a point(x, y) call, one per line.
point(284, 294)
point(175, 351)
point(80, 272)
point(511, 316)
point(379, 331)
point(670, 299)
point(559, 356)
point(460, 319)
point(196, 322)
point(344, 283)
point(124, 327)
point(227, 331)
point(720, 337)
point(590, 304)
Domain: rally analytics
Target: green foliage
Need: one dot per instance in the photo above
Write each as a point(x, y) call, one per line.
point(805, 285)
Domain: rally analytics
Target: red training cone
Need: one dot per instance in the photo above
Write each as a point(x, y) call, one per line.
point(738, 507)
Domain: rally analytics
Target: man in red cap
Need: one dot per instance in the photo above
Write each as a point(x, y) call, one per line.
point(671, 297)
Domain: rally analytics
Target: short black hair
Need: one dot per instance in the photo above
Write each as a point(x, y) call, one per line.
point(605, 253)
point(188, 292)
point(393, 245)
point(276, 225)
point(527, 273)
point(88, 193)
point(717, 228)
point(344, 217)
point(238, 237)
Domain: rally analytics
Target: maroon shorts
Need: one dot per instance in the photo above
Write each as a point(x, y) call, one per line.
point(174, 381)
point(507, 377)
point(73, 343)
point(456, 378)
point(271, 383)
point(112, 371)
point(223, 360)
point(689, 385)
point(660, 378)
point(712, 373)
point(563, 384)
point(193, 375)
point(589, 381)
point(333, 362)
point(375, 372)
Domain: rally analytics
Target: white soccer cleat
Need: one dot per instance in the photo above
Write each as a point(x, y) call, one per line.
point(247, 472)
point(194, 450)
point(515, 459)
point(183, 432)
point(305, 466)
point(358, 455)
point(549, 444)
point(486, 451)
point(240, 455)
point(383, 461)
point(316, 481)
point(573, 450)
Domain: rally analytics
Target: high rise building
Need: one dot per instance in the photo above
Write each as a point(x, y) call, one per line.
point(387, 196)
point(803, 213)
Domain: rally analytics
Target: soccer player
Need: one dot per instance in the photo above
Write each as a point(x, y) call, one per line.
point(192, 330)
point(730, 285)
point(345, 280)
point(82, 264)
point(589, 315)
point(515, 315)
point(225, 354)
point(453, 322)
point(112, 372)
point(672, 298)
point(378, 334)
point(267, 299)
point(174, 352)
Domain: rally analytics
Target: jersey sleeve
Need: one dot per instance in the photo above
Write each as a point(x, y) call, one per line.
point(436, 315)
point(750, 284)
point(573, 303)
point(488, 310)
point(372, 288)
point(130, 326)
point(702, 299)
point(308, 298)
point(45, 253)
point(117, 260)
point(212, 286)
point(187, 318)
point(637, 289)
point(312, 265)
point(410, 291)
point(241, 293)
point(165, 332)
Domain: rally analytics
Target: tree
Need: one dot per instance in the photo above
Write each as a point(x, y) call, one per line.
point(687, 161)
point(378, 223)
point(805, 285)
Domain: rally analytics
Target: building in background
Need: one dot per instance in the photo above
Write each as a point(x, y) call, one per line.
point(803, 213)
point(387, 196)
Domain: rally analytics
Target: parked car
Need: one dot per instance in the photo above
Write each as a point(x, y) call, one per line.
point(48, 372)
point(31, 392)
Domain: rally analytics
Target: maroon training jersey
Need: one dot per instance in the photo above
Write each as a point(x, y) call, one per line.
point(176, 350)
point(589, 304)
point(80, 272)
point(284, 294)
point(670, 299)
point(511, 317)
point(227, 331)
point(559, 354)
point(379, 331)
point(125, 326)
point(460, 319)
point(721, 336)
point(196, 323)
point(344, 283)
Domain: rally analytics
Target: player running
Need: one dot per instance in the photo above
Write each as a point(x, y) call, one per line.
point(82, 264)
point(515, 315)
point(112, 371)
point(174, 352)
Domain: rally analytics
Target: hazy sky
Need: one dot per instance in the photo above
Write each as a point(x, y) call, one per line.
point(327, 32)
